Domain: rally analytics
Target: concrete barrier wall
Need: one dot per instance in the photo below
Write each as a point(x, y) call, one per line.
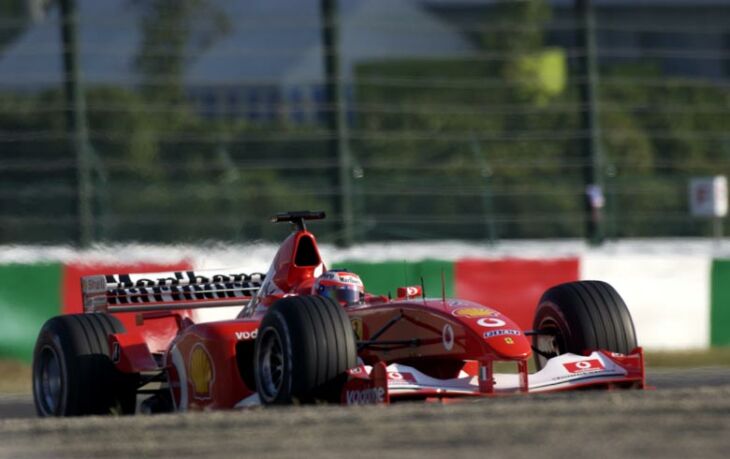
point(677, 301)
point(668, 296)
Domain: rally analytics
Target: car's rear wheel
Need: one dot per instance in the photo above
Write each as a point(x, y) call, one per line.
point(72, 372)
point(580, 317)
point(304, 346)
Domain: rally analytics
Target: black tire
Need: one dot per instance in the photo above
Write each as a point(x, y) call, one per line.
point(581, 317)
point(304, 346)
point(72, 372)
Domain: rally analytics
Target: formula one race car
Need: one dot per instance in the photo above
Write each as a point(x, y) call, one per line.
point(305, 334)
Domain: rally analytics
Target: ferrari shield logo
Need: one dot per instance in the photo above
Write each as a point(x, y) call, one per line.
point(356, 323)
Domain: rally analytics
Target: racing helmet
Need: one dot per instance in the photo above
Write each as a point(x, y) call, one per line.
point(340, 285)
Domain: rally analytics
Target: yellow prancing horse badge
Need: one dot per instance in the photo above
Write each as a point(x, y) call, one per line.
point(356, 323)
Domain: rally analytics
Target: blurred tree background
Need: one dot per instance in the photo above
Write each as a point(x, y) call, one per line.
point(482, 144)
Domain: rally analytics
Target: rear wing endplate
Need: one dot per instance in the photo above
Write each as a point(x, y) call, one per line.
point(168, 290)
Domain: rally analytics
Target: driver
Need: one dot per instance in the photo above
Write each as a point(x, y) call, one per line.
point(340, 285)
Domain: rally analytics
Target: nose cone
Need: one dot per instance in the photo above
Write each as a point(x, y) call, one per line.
point(510, 344)
point(499, 333)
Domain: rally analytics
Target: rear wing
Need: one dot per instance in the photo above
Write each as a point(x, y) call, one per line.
point(297, 218)
point(168, 290)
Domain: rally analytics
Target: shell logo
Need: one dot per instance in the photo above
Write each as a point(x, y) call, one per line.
point(473, 313)
point(202, 373)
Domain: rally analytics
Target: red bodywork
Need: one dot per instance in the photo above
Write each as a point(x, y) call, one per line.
point(210, 365)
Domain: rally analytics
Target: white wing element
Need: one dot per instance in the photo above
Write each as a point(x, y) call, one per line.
point(168, 290)
point(560, 373)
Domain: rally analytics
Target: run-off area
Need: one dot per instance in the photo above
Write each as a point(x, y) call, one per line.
point(688, 415)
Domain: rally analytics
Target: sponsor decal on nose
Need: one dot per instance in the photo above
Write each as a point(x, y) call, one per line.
point(493, 333)
point(488, 322)
point(473, 313)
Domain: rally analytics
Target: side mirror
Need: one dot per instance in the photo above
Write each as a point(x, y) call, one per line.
point(406, 293)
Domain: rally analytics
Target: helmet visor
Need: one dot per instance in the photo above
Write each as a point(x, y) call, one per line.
point(343, 295)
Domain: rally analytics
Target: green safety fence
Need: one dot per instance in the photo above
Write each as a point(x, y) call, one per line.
point(29, 295)
point(720, 304)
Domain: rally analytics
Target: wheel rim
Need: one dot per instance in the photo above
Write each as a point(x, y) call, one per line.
point(271, 365)
point(48, 382)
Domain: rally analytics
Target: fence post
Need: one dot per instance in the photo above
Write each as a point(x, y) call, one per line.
point(589, 122)
point(337, 121)
point(485, 172)
point(75, 107)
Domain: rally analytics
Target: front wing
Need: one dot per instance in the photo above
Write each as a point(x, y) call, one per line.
point(380, 384)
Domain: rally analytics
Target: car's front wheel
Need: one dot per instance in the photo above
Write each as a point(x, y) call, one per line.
point(579, 317)
point(304, 347)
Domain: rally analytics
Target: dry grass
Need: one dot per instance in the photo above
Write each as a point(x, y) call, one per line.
point(718, 356)
point(15, 377)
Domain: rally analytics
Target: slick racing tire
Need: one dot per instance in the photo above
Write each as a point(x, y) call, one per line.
point(72, 372)
point(580, 317)
point(304, 347)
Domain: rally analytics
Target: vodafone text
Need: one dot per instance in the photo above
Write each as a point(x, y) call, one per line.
point(365, 396)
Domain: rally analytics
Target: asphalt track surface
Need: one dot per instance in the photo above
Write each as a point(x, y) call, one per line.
point(688, 415)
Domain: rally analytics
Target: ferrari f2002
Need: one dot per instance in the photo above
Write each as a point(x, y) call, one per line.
point(303, 334)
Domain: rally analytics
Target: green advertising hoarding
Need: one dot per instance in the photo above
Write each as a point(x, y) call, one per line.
point(29, 295)
point(383, 278)
point(720, 304)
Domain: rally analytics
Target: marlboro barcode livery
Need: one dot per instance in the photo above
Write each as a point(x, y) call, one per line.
point(117, 292)
point(302, 333)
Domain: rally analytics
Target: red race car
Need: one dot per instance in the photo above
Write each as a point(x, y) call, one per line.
point(307, 334)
